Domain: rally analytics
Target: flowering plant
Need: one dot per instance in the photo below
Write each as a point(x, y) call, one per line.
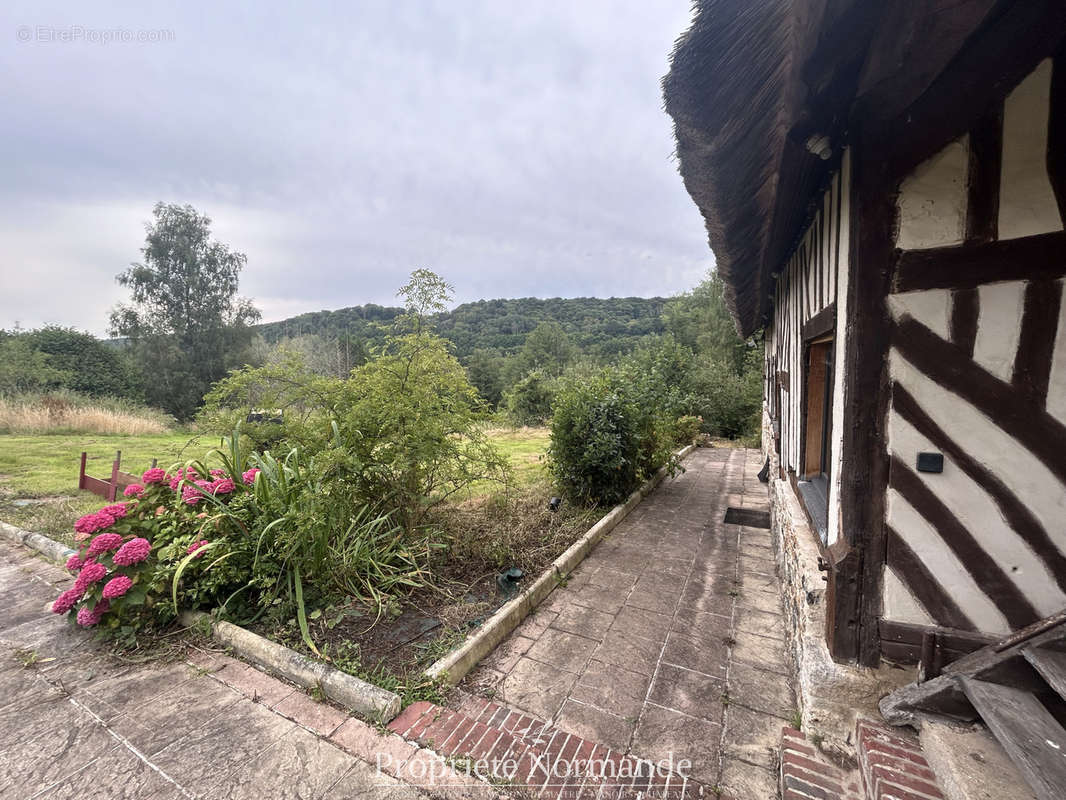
point(239, 541)
point(129, 553)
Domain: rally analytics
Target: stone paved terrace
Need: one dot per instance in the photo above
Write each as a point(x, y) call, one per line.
point(78, 723)
point(668, 639)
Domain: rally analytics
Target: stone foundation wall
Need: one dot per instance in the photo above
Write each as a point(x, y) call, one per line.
point(829, 695)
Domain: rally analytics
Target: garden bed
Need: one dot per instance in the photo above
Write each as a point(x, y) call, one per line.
point(486, 537)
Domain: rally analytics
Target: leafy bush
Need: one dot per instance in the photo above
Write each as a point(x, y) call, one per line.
point(23, 368)
point(729, 402)
point(529, 402)
point(260, 534)
point(409, 424)
point(595, 451)
point(687, 429)
point(402, 433)
point(95, 368)
point(286, 390)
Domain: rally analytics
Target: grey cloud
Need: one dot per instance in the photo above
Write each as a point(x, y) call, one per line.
point(518, 149)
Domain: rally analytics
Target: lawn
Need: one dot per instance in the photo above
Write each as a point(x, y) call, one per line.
point(44, 469)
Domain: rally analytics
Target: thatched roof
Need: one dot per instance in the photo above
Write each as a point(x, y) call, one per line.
point(761, 93)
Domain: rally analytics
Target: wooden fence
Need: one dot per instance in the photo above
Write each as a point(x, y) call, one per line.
point(108, 489)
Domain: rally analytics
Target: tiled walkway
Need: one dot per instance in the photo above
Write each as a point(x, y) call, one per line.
point(75, 722)
point(668, 640)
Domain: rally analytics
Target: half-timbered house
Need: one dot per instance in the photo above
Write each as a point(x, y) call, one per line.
point(884, 188)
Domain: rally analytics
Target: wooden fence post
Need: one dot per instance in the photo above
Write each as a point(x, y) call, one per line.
point(113, 490)
point(81, 471)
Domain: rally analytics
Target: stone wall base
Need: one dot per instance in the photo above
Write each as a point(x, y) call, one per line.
point(830, 696)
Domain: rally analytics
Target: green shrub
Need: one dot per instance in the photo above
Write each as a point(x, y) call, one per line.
point(529, 402)
point(409, 426)
point(595, 450)
point(687, 429)
point(259, 535)
point(730, 403)
point(286, 390)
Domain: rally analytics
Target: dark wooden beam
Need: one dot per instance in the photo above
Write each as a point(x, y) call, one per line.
point(1018, 515)
point(983, 568)
point(903, 640)
point(1005, 49)
point(821, 323)
point(924, 585)
point(986, 158)
point(949, 367)
point(1036, 340)
point(856, 563)
point(968, 266)
point(1056, 138)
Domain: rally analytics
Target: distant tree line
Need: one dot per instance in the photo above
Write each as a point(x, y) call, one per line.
point(184, 328)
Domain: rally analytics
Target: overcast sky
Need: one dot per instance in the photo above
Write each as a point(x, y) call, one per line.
point(516, 148)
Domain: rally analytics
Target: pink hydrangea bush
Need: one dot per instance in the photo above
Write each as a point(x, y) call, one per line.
point(129, 552)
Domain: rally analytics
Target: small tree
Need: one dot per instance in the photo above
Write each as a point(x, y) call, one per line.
point(595, 443)
point(185, 320)
point(409, 421)
point(548, 348)
point(529, 402)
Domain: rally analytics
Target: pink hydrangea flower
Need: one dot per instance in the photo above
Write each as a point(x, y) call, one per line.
point(75, 563)
point(154, 475)
point(105, 542)
point(133, 490)
point(66, 601)
point(88, 619)
point(218, 473)
point(96, 521)
point(116, 511)
point(249, 476)
point(195, 546)
point(178, 477)
point(90, 574)
point(116, 587)
point(223, 486)
point(132, 552)
point(190, 495)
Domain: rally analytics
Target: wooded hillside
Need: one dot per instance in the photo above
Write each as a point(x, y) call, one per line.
point(597, 326)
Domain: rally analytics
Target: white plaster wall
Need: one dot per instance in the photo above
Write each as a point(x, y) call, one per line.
point(977, 511)
point(932, 308)
point(999, 324)
point(898, 604)
point(1026, 201)
point(932, 200)
point(1056, 393)
point(1021, 471)
point(944, 565)
point(836, 451)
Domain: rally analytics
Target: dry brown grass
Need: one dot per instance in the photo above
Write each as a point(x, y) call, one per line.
point(61, 414)
point(514, 529)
